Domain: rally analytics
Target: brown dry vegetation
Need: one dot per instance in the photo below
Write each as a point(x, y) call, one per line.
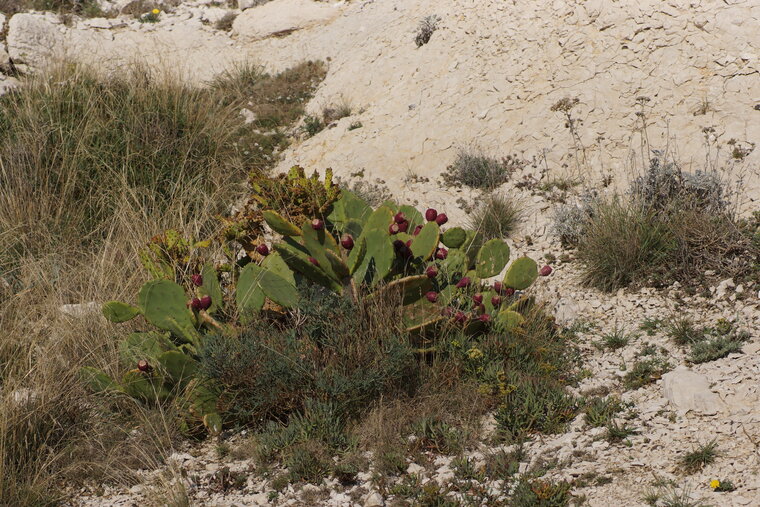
point(90, 169)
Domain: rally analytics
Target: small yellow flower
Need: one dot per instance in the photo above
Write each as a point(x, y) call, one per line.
point(474, 353)
point(715, 484)
point(155, 11)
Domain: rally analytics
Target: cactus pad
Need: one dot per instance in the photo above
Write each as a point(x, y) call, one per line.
point(521, 273)
point(279, 224)
point(491, 258)
point(116, 311)
point(454, 237)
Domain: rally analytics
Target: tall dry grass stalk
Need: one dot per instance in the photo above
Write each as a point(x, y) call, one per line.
point(90, 169)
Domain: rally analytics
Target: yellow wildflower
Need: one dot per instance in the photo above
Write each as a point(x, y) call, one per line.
point(155, 11)
point(474, 353)
point(715, 484)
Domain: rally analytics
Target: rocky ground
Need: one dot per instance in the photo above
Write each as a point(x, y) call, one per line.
point(489, 76)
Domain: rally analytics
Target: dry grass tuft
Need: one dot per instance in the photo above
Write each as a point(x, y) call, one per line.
point(90, 169)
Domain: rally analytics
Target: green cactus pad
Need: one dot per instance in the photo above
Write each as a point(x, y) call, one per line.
point(521, 273)
point(139, 386)
point(471, 246)
point(356, 256)
point(203, 397)
point(420, 315)
point(164, 304)
point(178, 366)
point(257, 280)
point(212, 288)
point(378, 259)
point(147, 346)
point(279, 224)
point(506, 320)
point(491, 258)
point(411, 288)
point(213, 422)
point(116, 311)
point(338, 266)
point(318, 243)
point(274, 263)
point(249, 297)
point(98, 381)
point(455, 263)
point(424, 244)
point(353, 227)
point(349, 208)
point(299, 263)
point(454, 237)
point(380, 219)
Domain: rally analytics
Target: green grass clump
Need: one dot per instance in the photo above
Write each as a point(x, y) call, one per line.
point(713, 349)
point(645, 372)
point(701, 456)
point(541, 493)
point(601, 411)
point(611, 259)
point(496, 216)
point(614, 340)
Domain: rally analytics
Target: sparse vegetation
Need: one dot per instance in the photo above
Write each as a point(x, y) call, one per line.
point(425, 29)
point(699, 457)
point(679, 225)
point(601, 411)
point(225, 22)
point(645, 372)
point(614, 340)
point(495, 216)
point(475, 169)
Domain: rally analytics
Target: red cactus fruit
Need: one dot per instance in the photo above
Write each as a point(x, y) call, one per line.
point(432, 296)
point(205, 302)
point(441, 219)
point(314, 261)
point(417, 230)
point(498, 287)
point(197, 280)
point(317, 224)
point(403, 226)
point(262, 249)
point(195, 304)
point(399, 218)
point(447, 312)
point(394, 228)
point(431, 215)
point(462, 283)
point(496, 301)
point(545, 271)
point(143, 366)
point(398, 245)
point(408, 243)
point(441, 253)
point(347, 241)
point(478, 298)
point(460, 316)
point(431, 271)
point(484, 318)
point(509, 291)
